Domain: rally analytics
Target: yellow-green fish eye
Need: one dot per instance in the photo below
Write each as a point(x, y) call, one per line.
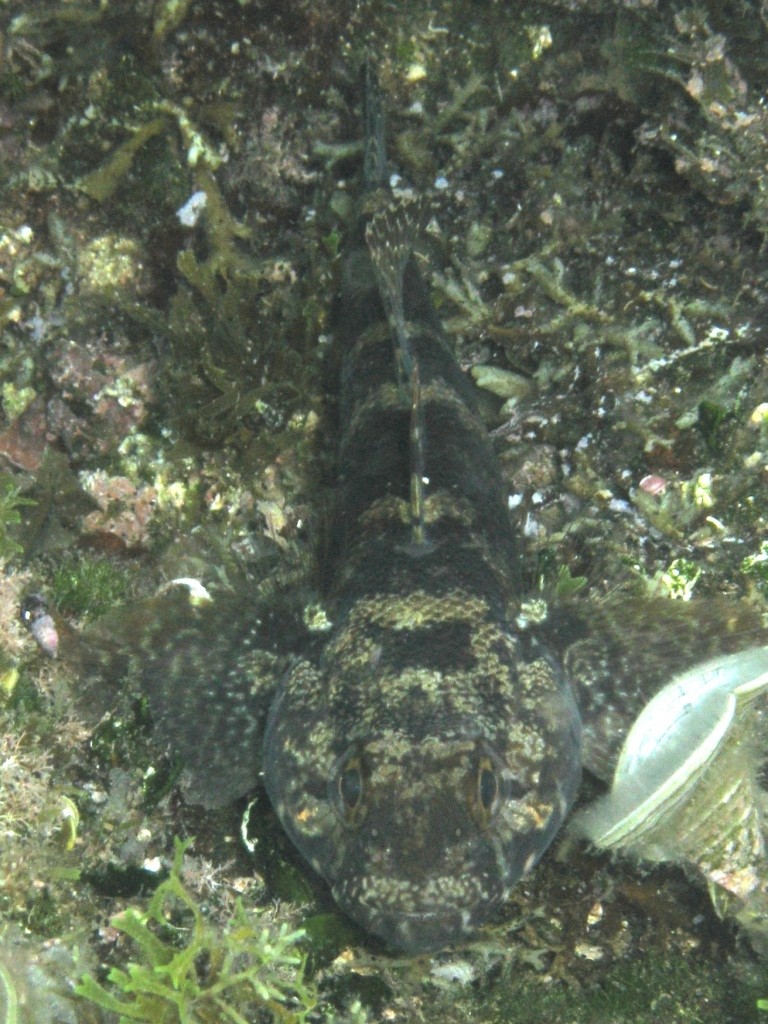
point(483, 790)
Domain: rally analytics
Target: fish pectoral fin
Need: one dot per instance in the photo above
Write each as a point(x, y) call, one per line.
point(203, 666)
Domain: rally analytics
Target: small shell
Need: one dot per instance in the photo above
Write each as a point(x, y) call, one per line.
point(685, 787)
point(35, 616)
point(675, 742)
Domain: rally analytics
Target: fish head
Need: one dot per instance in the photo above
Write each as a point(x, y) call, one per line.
point(420, 835)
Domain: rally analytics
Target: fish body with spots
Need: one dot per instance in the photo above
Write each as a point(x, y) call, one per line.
point(423, 757)
point(425, 762)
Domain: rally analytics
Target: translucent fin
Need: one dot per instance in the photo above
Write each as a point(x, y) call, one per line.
point(203, 666)
point(391, 235)
point(209, 683)
point(374, 159)
point(619, 654)
point(686, 787)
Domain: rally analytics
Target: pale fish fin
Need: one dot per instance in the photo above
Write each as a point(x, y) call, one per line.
point(391, 235)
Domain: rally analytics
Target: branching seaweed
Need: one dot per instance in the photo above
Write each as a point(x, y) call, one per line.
point(211, 975)
point(11, 503)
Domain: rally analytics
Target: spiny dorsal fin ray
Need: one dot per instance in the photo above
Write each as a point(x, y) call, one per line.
point(374, 154)
point(419, 542)
point(391, 236)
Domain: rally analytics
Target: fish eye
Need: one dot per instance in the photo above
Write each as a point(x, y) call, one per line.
point(350, 787)
point(491, 785)
point(485, 788)
point(487, 784)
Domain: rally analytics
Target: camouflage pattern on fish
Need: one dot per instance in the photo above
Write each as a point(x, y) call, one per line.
point(424, 753)
point(425, 763)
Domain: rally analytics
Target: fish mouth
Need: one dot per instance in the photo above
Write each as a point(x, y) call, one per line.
point(425, 930)
point(422, 932)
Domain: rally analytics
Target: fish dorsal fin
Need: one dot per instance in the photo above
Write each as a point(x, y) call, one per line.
point(374, 153)
point(419, 541)
point(391, 235)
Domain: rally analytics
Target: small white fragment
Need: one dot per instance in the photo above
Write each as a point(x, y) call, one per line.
point(416, 73)
point(595, 915)
point(460, 972)
point(619, 505)
point(248, 843)
point(198, 594)
point(589, 951)
point(189, 213)
point(531, 528)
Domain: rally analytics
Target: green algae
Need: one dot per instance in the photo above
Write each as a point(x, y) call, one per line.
point(756, 567)
point(12, 501)
point(168, 16)
point(87, 587)
point(102, 183)
point(244, 968)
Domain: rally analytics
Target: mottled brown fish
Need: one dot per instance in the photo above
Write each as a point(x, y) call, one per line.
point(425, 757)
point(425, 763)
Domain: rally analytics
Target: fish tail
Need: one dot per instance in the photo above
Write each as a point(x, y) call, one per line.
point(416, 470)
